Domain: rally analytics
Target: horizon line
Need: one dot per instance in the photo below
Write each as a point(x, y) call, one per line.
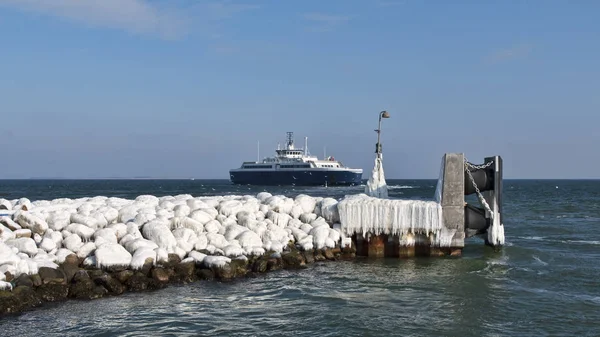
point(194, 178)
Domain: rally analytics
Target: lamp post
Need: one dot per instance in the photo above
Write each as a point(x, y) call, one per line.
point(382, 114)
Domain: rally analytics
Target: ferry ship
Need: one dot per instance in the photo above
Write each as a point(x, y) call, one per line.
point(295, 167)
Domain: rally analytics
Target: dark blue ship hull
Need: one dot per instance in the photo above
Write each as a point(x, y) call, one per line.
point(295, 178)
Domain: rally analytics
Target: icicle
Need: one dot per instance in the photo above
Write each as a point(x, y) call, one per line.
point(376, 186)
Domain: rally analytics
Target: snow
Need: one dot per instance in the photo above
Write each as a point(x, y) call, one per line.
point(112, 254)
point(215, 261)
point(120, 232)
point(140, 256)
point(376, 186)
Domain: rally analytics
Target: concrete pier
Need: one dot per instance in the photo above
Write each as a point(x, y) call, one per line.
point(447, 238)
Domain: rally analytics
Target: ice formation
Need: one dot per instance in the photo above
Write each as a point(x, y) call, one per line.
point(114, 232)
point(376, 186)
point(364, 214)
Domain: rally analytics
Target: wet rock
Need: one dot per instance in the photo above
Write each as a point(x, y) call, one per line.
point(24, 280)
point(50, 275)
point(293, 259)
point(84, 288)
point(185, 272)
point(81, 275)
point(138, 282)
point(20, 298)
point(274, 264)
point(309, 257)
point(123, 276)
point(260, 265)
point(160, 275)
point(224, 273)
point(52, 292)
point(319, 256)
point(147, 267)
point(328, 254)
point(173, 260)
point(9, 277)
point(111, 284)
point(239, 267)
point(348, 253)
point(69, 269)
point(205, 274)
point(36, 279)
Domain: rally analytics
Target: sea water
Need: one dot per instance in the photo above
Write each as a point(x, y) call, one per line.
point(545, 281)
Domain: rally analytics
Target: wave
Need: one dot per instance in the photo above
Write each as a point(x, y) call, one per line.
point(400, 187)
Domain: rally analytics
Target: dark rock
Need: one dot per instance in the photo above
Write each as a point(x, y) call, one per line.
point(100, 291)
point(96, 273)
point(160, 275)
point(82, 289)
point(274, 264)
point(123, 276)
point(116, 268)
point(9, 277)
point(72, 259)
point(224, 273)
point(173, 260)
point(36, 279)
point(205, 274)
point(147, 267)
point(138, 282)
point(348, 253)
point(52, 292)
point(20, 298)
point(328, 254)
point(293, 259)
point(260, 265)
point(239, 267)
point(309, 257)
point(70, 270)
point(336, 251)
point(185, 272)
point(81, 275)
point(50, 275)
point(319, 256)
point(24, 280)
point(111, 284)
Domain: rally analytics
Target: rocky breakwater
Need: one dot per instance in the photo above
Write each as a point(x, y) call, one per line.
point(93, 247)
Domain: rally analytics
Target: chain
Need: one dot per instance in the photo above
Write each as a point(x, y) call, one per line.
point(479, 195)
point(478, 167)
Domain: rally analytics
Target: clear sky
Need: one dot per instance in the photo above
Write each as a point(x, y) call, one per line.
point(183, 88)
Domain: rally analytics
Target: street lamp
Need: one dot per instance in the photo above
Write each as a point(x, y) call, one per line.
point(383, 114)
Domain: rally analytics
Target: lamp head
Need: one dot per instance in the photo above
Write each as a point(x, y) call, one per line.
point(385, 114)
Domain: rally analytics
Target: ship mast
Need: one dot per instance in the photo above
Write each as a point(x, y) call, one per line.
point(306, 146)
point(290, 140)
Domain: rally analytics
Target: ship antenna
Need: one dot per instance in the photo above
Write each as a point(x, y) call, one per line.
point(258, 152)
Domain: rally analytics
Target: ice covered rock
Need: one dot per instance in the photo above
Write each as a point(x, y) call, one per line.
point(30, 221)
point(24, 245)
point(160, 234)
point(112, 255)
point(216, 261)
point(141, 256)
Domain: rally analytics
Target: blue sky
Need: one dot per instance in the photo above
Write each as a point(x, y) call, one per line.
point(182, 88)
